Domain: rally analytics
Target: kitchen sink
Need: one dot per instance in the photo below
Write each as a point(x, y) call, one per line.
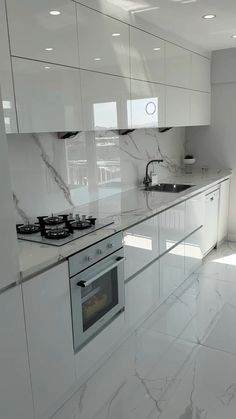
point(168, 187)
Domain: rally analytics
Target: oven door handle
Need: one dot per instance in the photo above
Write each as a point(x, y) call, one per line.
point(84, 284)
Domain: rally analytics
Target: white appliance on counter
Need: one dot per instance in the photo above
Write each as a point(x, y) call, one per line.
point(97, 288)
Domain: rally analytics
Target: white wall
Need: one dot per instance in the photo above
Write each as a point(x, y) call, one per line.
point(215, 146)
point(52, 175)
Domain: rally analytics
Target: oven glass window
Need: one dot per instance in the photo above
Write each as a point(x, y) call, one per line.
point(99, 298)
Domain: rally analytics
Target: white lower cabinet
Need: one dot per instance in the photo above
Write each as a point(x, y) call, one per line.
point(15, 389)
point(171, 227)
point(193, 250)
point(171, 271)
point(49, 334)
point(195, 212)
point(211, 220)
point(223, 211)
point(141, 294)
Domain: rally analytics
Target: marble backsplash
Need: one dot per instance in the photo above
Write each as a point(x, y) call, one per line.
point(52, 175)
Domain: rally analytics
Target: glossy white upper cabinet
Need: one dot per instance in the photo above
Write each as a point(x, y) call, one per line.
point(201, 73)
point(37, 34)
point(106, 101)
point(147, 104)
point(103, 43)
point(6, 75)
point(200, 108)
point(50, 343)
point(177, 107)
point(15, 388)
point(178, 66)
point(171, 227)
point(147, 54)
point(48, 97)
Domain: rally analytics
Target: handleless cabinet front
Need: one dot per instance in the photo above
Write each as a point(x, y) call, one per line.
point(44, 30)
point(177, 107)
point(178, 66)
point(200, 108)
point(194, 213)
point(48, 96)
point(103, 43)
point(201, 73)
point(171, 227)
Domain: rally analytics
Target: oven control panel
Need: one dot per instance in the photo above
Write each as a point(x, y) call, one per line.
point(93, 254)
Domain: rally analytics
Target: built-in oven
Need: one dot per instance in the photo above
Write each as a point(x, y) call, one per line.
point(97, 288)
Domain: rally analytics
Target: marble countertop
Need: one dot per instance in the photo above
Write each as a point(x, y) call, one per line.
point(125, 209)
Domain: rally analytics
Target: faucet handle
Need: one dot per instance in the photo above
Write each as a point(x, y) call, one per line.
point(160, 160)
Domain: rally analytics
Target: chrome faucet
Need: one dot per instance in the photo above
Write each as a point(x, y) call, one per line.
point(147, 180)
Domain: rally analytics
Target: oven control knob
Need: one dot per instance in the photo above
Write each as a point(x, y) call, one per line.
point(99, 252)
point(110, 246)
point(88, 258)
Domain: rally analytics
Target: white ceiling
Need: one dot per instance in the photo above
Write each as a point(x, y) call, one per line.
point(184, 17)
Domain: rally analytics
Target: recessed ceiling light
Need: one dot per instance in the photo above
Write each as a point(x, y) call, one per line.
point(156, 49)
point(54, 12)
point(97, 59)
point(210, 16)
point(233, 36)
point(49, 49)
point(47, 68)
point(116, 34)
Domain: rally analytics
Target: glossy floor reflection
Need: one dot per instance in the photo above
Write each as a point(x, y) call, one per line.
point(181, 363)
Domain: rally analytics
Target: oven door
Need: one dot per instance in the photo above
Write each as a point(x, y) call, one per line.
point(97, 296)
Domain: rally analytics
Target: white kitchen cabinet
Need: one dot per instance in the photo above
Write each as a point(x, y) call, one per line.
point(223, 211)
point(15, 389)
point(195, 212)
point(36, 34)
point(178, 66)
point(177, 107)
point(6, 83)
point(141, 246)
point(200, 108)
point(48, 97)
point(193, 250)
point(147, 104)
point(171, 271)
point(211, 220)
point(201, 73)
point(50, 343)
point(171, 227)
point(103, 43)
point(142, 295)
point(106, 101)
point(147, 54)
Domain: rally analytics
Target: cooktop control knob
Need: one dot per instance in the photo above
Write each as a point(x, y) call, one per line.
point(88, 258)
point(110, 246)
point(99, 251)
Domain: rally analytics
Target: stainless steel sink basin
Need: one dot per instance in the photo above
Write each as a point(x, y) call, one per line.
point(168, 187)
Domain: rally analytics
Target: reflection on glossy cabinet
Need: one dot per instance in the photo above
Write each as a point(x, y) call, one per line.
point(15, 389)
point(106, 101)
point(6, 75)
point(48, 97)
point(177, 107)
point(49, 333)
point(37, 34)
point(195, 212)
point(141, 245)
point(193, 250)
point(200, 108)
point(147, 55)
point(178, 66)
point(201, 73)
point(103, 43)
point(147, 104)
point(171, 271)
point(171, 226)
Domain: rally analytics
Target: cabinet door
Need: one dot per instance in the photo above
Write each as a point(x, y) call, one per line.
point(223, 210)
point(147, 104)
point(48, 97)
point(171, 271)
point(106, 101)
point(37, 34)
point(103, 43)
point(201, 73)
point(200, 108)
point(141, 245)
point(171, 227)
point(141, 295)
point(147, 56)
point(211, 221)
point(193, 249)
point(178, 66)
point(195, 208)
point(177, 107)
point(15, 390)
point(6, 83)
point(49, 333)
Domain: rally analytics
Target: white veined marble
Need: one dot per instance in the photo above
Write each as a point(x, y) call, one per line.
point(163, 372)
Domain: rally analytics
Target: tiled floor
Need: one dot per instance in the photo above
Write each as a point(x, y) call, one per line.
point(181, 363)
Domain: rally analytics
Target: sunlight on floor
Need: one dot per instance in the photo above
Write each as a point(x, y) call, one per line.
point(227, 260)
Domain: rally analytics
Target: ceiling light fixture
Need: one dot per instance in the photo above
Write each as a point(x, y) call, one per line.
point(210, 16)
point(47, 68)
point(49, 49)
point(233, 36)
point(116, 34)
point(97, 59)
point(156, 49)
point(54, 12)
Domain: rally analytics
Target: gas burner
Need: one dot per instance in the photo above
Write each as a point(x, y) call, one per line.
point(80, 225)
point(53, 220)
point(27, 228)
point(57, 233)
